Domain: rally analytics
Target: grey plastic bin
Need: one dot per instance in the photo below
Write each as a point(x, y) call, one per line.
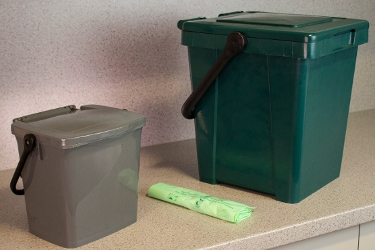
point(81, 177)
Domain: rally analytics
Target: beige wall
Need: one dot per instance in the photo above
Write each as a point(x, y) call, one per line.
point(127, 54)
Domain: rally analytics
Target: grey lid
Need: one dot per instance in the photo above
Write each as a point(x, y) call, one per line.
point(68, 127)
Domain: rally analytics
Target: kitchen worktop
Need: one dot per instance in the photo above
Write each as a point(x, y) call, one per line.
point(345, 202)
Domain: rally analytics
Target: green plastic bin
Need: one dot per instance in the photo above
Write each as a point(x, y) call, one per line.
point(273, 117)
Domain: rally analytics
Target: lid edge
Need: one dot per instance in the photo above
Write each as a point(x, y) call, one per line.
point(68, 143)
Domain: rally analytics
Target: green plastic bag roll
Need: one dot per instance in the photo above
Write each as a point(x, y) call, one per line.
point(203, 203)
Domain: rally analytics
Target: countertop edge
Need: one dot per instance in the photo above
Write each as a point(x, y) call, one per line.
point(290, 234)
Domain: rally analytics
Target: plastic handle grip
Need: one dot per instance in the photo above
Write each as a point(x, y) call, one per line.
point(29, 143)
point(235, 44)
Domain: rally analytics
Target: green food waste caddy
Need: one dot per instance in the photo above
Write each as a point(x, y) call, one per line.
point(271, 95)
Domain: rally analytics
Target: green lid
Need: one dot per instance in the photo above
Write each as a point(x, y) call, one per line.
point(68, 127)
point(290, 35)
point(273, 19)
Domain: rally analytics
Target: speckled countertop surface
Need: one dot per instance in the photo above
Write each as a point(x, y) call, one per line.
point(345, 202)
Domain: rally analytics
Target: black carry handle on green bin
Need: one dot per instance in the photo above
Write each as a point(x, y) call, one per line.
point(236, 43)
point(29, 143)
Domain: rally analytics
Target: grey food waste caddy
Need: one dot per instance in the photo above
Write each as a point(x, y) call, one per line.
point(81, 177)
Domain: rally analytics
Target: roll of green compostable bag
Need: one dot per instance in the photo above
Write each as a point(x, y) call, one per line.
point(203, 203)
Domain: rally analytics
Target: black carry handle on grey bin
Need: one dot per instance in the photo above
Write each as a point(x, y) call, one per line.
point(28, 145)
point(236, 43)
